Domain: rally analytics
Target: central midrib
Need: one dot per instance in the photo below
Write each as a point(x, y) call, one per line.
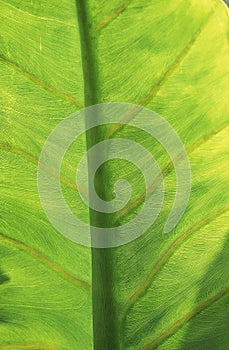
point(105, 328)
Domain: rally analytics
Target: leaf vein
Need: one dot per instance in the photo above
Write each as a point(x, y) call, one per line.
point(46, 261)
point(41, 83)
point(35, 160)
point(28, 346)
point(176, 63)
point(166, 255)
point(164, 77)
point(135, 204)
point(172, 329)
point(107, 20)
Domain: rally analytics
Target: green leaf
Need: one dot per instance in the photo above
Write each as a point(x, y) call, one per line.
point(164, 291)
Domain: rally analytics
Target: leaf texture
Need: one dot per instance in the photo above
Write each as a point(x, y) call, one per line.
point(168, 291)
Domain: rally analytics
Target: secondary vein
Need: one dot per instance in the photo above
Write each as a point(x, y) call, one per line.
point(162, 80)
point(173, 328)
point(107, 20)
point(35, 161)
point(29, 346)
point(138, 201)
point(46, 261)
point(41, 83)
point(167, 254)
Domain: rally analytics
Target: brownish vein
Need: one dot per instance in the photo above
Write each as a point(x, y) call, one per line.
point(46, 261)
point(107, 20)
point(176, 63)
point(134, 204)
point(41, 83)
point(162, 80)
point(35, 160)
point(173, 328)
point(26, 155)
point(29, 346)
point(166, 255)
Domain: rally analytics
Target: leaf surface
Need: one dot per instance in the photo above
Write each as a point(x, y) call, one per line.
point(166, 291)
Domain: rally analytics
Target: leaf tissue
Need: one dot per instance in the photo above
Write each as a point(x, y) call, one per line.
point(166, 291)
